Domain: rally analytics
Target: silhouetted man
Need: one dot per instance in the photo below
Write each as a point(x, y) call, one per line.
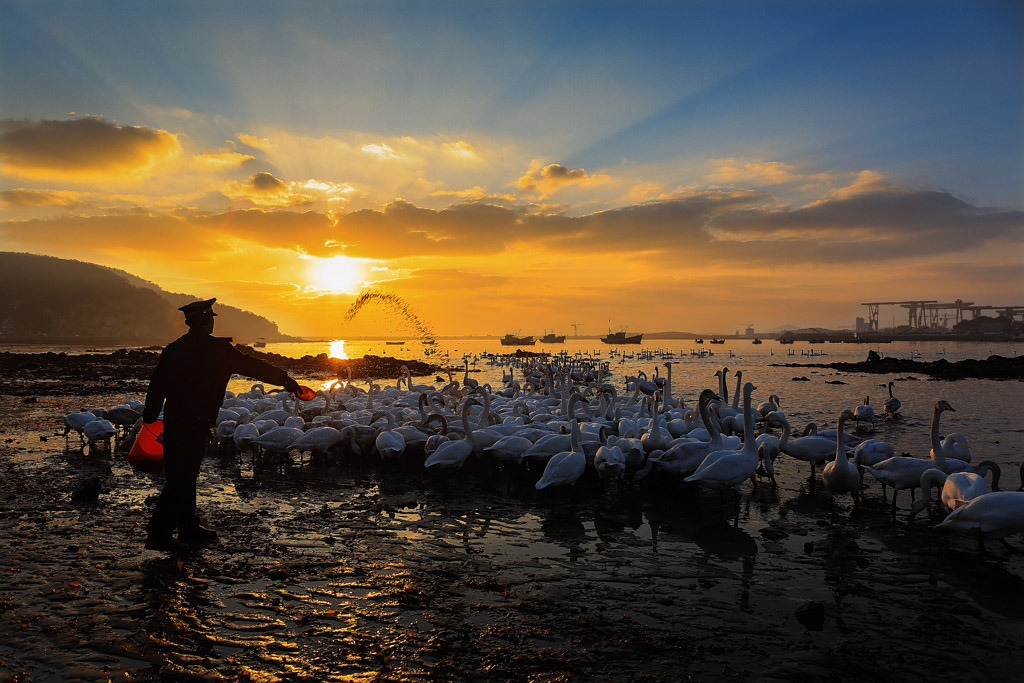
point(189, 383)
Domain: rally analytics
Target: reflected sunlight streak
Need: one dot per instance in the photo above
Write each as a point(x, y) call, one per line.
point(338, 349)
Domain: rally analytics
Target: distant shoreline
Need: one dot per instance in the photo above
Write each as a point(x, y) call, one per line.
point(993, 367)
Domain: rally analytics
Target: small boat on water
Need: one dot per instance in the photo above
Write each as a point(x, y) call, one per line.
point(513, 340)
point(394, 343)
point(429, 341)
point(552, 338)
point(698, 340)
point(259, 343)
point(716, 341)
point(756, 341)
point(622, 338)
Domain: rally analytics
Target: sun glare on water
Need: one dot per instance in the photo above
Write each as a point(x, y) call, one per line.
point(337, 349)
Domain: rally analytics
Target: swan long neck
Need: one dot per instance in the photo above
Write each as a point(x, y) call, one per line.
point(784, 439)
point(485, 415)
point(736, 395)
point(937, 455)
point(703, 402)
point(748, 418)
point(465, 420)
point(668, 386)
point(840, 448)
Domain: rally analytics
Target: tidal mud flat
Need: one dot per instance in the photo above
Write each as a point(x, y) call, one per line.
point(350, 572)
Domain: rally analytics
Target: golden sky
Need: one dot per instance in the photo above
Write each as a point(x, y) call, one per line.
point(602, 180)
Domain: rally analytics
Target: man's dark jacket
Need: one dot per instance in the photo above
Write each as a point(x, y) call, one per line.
point(192, 374)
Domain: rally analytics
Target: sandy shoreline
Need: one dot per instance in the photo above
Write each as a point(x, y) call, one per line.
point(335, 573)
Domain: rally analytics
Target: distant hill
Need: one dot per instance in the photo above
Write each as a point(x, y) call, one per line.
point(47, 298)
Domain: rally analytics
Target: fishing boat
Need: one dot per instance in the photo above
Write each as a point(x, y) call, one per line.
point(698, 340)
point(513, 340)
point(429, 341)
point(259, 343)
point(716, 341)
point(394, 343)
point(622, 338)
point(756, 341)
point(552, 338)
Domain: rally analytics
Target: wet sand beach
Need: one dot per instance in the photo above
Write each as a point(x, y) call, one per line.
point(353, 572)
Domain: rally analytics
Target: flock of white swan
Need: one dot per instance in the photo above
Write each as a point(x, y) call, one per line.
point(556, 421)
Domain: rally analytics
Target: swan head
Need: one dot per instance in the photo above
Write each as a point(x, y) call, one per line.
point(942, 405)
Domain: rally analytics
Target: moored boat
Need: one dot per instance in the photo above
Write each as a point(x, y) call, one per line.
point(552, 338)
point(513, 340)
point(622, 338)
point(716, 341)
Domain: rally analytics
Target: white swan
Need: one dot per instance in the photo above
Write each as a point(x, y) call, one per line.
point(864, 412)
point(76, 421)
point(99, 431)
point(685, 458)
point(278, 440)
point(955, 446)
point(841, 475)
point(892, 404)
point(943, 460)
point(389, 443)
point(997, 514)
point(771, 405)
point(453, 453)
point(609, 461)
point(957, 489)
point(317, 441)
point(565, 468)
point(729, 469)
point(813, 448)
point(724, 409)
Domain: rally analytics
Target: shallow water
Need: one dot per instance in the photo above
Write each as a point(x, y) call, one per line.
point(350, 572)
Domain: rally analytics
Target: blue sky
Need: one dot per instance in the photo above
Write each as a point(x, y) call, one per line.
point(567, 108)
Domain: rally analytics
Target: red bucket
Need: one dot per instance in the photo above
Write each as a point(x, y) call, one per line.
point(147, 453)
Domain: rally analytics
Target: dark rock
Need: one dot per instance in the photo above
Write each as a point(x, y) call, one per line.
point(87, 491)
point(811, 615)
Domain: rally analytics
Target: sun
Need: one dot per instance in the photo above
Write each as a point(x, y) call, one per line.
point(337, 274)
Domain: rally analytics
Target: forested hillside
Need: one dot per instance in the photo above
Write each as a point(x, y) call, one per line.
point(44, 298)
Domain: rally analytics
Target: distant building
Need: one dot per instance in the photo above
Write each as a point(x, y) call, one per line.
point(862, 325)
point(749, 332)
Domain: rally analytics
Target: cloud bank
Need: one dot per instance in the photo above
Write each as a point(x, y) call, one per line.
point(81, 149)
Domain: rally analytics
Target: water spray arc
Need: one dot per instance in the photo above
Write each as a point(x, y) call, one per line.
point(393, 302)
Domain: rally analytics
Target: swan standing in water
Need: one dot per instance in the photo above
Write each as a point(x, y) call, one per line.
point(684, 458)
point(565, 468)
point(996, 514)
point(957, 489)
point(453, 453)
point(729, 469)
point(864, 412)
point(891, 404)
point(841, 475)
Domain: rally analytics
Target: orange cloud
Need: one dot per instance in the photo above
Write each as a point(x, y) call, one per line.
point(760, 173)
point(265, 190)
point(554, 177)
point(38, 198)
point(223, 159)
point(475, 193)
point(82, 149)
